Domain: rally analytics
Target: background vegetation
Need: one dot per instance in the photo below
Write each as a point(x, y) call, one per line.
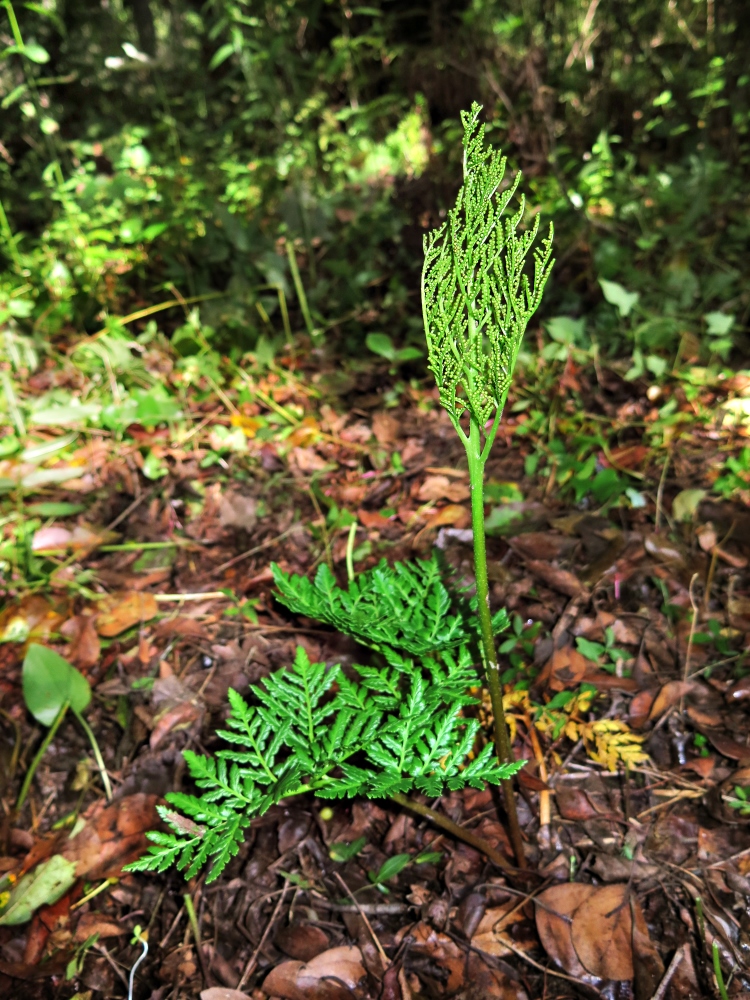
point(158, 150)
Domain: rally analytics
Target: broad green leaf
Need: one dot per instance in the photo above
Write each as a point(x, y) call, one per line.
point(41, 887)
point(221, 55)
point(51, 508)
point(390, 868)
point(345, 852)
point(53, 416)
point(37, 453)
point(49, 682)
point(381, 343)
point(591, 650)
point(619, 297)
point(566, 330)
point(685, 505)
point(718, 324)
point(36, 53)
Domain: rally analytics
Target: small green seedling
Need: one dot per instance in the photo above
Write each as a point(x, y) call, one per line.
point(51, 686)
point(739, 800)
point(396, 864)
point(606, 651)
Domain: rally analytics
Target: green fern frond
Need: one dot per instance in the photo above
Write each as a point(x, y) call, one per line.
point(310, 728)
point(476, 297)
point(401, 607)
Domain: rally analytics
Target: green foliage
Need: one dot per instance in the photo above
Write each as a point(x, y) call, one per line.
point(406, 606)
point(476, 298)
point(735, 476)
point(393, 729)
point(50, 682)
point(739, 801)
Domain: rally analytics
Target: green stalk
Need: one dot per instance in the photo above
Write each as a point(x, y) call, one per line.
point(39, 754)
point(503, 748)
point(97, 755)
point(10, 240)
point(718, 973)
point(300, 290)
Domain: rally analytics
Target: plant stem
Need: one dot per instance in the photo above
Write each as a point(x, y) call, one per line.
point(97, 755)
point(453, 828)
point(491, 667)
point(300, 290)
point(39, 754)
point(717, 972)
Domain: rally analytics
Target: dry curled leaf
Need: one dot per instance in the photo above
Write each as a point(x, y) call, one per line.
point(442, 488)
point(333, 975)
point(596, 931)
point(121, 611)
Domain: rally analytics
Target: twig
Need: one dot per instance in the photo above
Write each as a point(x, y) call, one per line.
point(712, 566)
point(208, 595)
point(460, 832)
point(373, 909)
point(660, 494)
point(173, 927)
point(250, 967)
point(258, 548)
point(691, 637)
point(131, 507)
point(542, 968)
point(667, 977)
point(362, 914)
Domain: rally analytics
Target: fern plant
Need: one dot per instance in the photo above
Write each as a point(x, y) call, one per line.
point(400, 725)
point(477, 300)
point(406, 606)
point(392, 730)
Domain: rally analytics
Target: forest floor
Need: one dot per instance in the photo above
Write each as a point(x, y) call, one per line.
point(138, 541)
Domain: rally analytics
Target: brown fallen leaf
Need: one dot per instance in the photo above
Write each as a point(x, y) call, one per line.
point(565, 670)
point(372, 519)
point(121, 611)
point(302, 941)
point(177, 717)
point(596, 931)
point(441, 488)
point(561, 580)
point(602, 933)
point(574, 804)
point(385, 427)
point(95, 923)
point(85, 649)
point(113, 836)
point(541, 544)
point(554, 910)
point(496, 924)
point(333, 975)
point(726, 746)
point(440, 949)
point(222, 993)
point(669, 695)
point(640, 707)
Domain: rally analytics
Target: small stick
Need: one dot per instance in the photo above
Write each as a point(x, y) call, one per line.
point(131, 507)
point(250, 967)
point(258, 548)
point(460, 832)
point(693, 623)
point(660, 494)
point(362, 914)
point(667, 977)
point(208, 595)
